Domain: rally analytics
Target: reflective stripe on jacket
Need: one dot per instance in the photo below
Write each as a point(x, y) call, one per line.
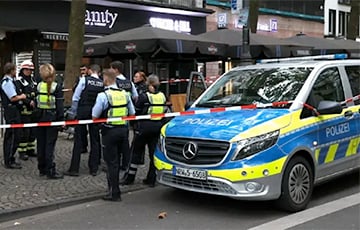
point(45, 101)
point(118, 105)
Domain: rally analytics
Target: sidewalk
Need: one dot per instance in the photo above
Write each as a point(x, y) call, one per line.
point(24, 191)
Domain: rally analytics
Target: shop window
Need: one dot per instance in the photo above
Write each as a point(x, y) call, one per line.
point(353, 73)
point(332, 22)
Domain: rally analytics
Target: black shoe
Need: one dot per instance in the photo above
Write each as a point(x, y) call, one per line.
point(109, 197)
point(41, 174)
point(128, 180)
point(93, 173)
point(13, 166)
point(71, 173)
point(84, 150)
point(55, 176)
point(149, 183)
point(24, 157)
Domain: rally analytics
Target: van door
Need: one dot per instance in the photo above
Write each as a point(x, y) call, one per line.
point(335, 131)
point(352, 73)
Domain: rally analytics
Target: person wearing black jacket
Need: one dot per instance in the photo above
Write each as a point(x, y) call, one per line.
point(147, 131)
point(10, 100)
point(82, 102)
point(50, 107)
point(27, 85)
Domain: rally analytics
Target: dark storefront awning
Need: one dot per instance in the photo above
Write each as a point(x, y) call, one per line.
point(323, 46)
point(260, 45)
point(154, 41)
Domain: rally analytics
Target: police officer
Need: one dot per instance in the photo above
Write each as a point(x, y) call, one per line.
point(111, 103)
point(147, 131)
point(125, 84)
point(27, 85)
point(10, 99)
point(82, 102)
point(49, 102)
point(84, 71)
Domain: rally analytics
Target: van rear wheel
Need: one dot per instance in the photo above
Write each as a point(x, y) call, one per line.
point(297, 185)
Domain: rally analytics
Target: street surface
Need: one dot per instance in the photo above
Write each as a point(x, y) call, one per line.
point(335, 205)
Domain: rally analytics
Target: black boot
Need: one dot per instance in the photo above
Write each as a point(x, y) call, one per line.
point(53, 174)
point(24, 156)
point(129, 179)
point(31, 153)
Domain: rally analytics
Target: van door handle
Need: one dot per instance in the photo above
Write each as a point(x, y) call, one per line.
point(348, 114)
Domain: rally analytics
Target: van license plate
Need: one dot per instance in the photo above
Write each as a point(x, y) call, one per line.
point(190, 173)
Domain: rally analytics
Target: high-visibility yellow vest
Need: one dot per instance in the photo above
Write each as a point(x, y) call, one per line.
point(45, 101)
point(157, 104)
point(118, 101)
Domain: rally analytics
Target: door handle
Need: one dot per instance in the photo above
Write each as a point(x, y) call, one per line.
point(348, 114)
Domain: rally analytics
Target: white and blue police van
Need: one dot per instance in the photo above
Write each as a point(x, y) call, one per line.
point(304, 129)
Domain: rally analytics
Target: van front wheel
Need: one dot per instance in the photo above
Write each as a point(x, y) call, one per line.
point(297, 185)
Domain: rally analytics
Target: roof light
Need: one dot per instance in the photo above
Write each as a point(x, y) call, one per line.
point(308, 58)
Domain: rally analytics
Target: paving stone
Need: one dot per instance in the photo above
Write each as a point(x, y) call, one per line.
point(25, 189)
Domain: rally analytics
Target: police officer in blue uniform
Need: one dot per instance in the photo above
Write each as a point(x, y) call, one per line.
point(10, 100)
point(50, 107)
point(111, 103)
point(123, 83)
point(147, 131)
point(82, 102)
point(27, 85)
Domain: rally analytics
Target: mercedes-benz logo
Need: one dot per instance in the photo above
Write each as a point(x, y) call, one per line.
point(190, 150)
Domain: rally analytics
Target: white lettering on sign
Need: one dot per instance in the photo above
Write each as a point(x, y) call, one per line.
point(337, 129)
point(198, 121)
point(170, 24)
point(100, 18)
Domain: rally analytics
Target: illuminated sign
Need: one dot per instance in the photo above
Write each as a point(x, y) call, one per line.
point(170, 24)
point(100, 18)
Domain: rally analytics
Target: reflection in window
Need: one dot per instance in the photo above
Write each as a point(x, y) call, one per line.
point(353, 73)
point(257, 86)
point(327, 87)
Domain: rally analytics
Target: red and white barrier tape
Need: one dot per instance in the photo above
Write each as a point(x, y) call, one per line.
point(150, 116)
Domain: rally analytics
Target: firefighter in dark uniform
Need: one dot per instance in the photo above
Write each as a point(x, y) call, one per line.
point(27, 85)
point(111, 103)
point(82, 102)
point(10, 100)
point(50, 107)
point(147, 131)
point(123, 83)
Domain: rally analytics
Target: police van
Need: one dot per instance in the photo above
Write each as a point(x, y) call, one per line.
point(304, 129)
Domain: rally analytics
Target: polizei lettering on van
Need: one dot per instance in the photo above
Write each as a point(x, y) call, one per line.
point(217, 122)
point(337, 129)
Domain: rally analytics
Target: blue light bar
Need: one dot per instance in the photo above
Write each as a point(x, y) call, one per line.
point(307, 58)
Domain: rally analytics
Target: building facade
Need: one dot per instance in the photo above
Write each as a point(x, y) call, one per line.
point(39, 29)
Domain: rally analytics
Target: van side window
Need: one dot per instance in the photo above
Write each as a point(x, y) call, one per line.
point(353, 73)
point(327, 87)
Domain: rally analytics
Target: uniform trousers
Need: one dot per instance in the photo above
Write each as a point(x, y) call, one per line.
point(27, 137)
point(147, 134)
point(11, 141)
point(94, 156)
point(116, 143)
point(46, 140)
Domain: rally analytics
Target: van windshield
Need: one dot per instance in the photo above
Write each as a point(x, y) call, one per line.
point(256, 86)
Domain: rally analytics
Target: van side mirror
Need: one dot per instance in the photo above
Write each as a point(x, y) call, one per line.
point(329, 107)
point(188, 105)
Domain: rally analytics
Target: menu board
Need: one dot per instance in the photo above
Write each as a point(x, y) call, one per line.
point(44, 56)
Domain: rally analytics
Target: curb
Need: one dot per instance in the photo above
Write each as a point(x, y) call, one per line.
point(17, 213)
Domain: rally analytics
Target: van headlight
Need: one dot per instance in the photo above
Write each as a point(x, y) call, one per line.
point(162, 143)
point(253, 145)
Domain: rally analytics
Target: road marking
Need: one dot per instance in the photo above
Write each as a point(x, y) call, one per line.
point(310, 214)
